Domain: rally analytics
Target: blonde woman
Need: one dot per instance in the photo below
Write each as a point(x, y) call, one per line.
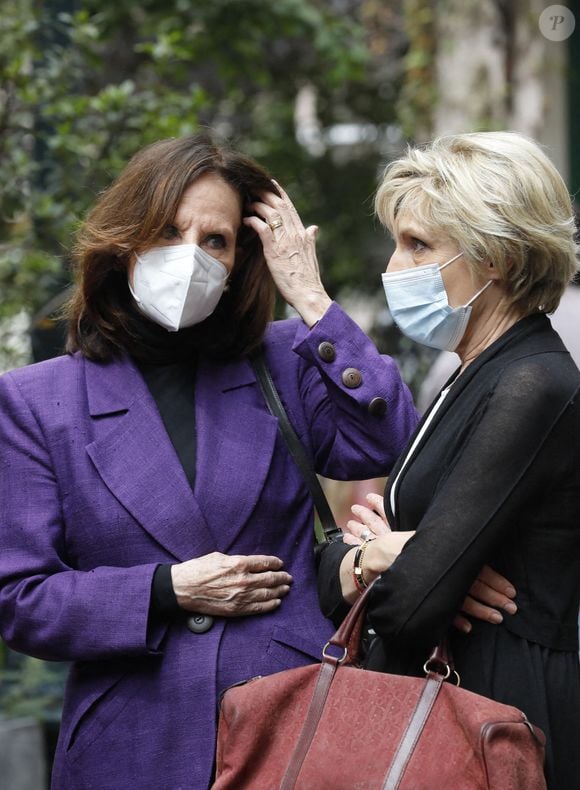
point(485, 247)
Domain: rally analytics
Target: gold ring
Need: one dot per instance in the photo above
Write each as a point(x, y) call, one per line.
point(275, 223)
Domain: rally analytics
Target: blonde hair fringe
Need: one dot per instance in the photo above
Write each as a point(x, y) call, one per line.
point(500, 198)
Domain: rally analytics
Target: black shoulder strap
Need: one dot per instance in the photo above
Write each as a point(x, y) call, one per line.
point(331, 531)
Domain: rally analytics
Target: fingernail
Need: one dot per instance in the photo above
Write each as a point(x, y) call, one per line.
point(466, 628)
point(510, 607)
point(510, 592)
point(495, 617)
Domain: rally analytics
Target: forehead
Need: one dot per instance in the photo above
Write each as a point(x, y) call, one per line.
point(210, 199)
point(410, 224)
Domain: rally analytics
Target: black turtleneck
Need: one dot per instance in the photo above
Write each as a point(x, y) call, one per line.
point(172, 386)
point(173, 389)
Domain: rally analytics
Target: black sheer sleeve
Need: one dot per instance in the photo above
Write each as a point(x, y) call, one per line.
point(332, 603)
point(493, 479)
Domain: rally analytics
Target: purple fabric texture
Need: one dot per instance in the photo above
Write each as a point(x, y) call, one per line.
point(93, 498)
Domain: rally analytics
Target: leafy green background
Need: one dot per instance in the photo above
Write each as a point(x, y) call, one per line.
point(83, 85)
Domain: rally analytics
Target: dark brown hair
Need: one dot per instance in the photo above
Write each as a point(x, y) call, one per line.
point(103, 319)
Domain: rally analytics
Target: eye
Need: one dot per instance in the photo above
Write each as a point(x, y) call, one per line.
point(215, 241)
point(170, 233)
point(418, 245)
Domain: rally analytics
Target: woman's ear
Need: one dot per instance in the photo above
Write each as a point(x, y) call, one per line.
point(491, 271)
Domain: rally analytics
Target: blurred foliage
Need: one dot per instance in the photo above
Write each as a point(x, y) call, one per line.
point(30, 687)
point(86, 83)
point(418, 94)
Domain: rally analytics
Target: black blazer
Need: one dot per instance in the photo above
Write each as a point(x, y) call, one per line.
point(496, 480)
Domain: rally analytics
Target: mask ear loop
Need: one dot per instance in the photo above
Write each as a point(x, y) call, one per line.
point(443, 265)
point(481, 290)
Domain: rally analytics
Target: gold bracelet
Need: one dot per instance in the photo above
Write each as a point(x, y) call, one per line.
point(357, 571)
point(360, 561)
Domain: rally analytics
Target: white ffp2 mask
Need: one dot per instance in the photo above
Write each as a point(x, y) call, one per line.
point(177, 286)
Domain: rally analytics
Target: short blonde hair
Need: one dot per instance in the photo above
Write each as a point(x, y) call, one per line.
point(498, 196)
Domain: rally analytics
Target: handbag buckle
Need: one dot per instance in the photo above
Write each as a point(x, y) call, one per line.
point(333, 659)
point(441, 668)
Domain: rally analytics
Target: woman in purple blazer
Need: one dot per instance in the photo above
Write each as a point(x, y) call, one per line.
point(154, 529)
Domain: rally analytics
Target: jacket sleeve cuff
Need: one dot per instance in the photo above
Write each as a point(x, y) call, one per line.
point(163, 608)
point(163, 599)
point(349, 361)
point(329, 560)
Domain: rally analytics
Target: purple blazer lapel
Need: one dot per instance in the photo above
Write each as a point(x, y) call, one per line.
point(135, 459)
point(235, 444)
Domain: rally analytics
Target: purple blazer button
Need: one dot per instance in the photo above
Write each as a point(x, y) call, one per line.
point(199, 623)
point(352, 378)
point(378, 407)
point(327, 351)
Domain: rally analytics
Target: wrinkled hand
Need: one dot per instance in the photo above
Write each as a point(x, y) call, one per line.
point(290, 252)
point(489, 593)
point(230, 586)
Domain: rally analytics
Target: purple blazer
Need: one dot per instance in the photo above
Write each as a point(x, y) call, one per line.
point(93, 498)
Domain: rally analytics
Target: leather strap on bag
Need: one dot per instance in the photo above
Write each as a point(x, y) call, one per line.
point(343, 639)
point(438, 668)
point(276, 407)
point(325, 678)
point(413, 732)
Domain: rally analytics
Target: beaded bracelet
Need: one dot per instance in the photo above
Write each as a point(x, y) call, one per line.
point(357, 570)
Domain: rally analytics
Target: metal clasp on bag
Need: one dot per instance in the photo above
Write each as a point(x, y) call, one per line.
point(433, 665)
point(334, 659)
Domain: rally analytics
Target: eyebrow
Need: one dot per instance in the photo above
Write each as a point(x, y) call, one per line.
point(210, 226)
point(409, 230)
point(414, 231)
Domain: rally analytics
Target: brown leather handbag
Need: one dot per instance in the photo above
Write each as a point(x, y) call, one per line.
point(334, 726)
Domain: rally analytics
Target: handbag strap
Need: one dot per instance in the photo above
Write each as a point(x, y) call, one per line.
point(343, 638)
point(350, 626)
point(416, 725)
point(276, 407)
point(348, 631)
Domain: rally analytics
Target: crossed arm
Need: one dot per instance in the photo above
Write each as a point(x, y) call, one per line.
point(489, 595)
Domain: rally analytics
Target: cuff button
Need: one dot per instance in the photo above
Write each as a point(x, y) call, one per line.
point(378, 407)
point(327, 351)
point(352, 378)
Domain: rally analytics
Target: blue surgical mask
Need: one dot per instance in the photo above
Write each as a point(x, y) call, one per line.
point(419, 306)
